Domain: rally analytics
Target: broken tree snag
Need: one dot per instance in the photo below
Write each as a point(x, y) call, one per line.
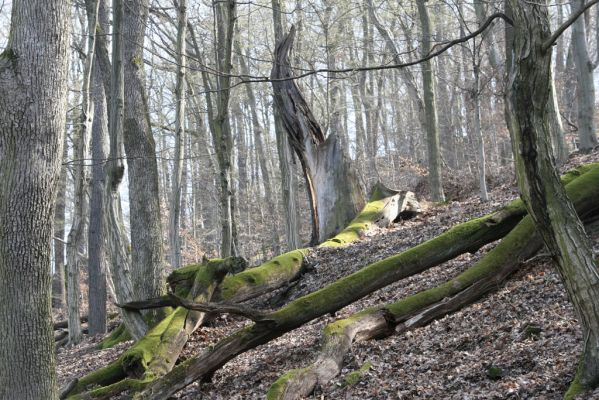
point(384, 207)
point(461, 238)
point(417, 310)
point(155, 354)
point(334, 189)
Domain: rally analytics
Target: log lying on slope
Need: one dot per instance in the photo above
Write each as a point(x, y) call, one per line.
point(466, 237)
point(419, 309)
point(155, 354)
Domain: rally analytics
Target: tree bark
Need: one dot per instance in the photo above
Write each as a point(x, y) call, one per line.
point(76, 238)
point(147, 259)
point(58, 281)
point(546, 200)
point(33, 89)
point(586, 85)
point(430, 108)
point(175, 203)
point(120, 262)
point(97, 252)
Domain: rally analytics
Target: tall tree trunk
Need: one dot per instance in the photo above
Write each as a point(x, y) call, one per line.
point(225, 14)
point(58, 281)
point(545, 198)
point(33, 89)
point(482, 168)
point(175, 206)
point(76, 238)
point(118, 247)
point(430, 108)
point(288, 177)
point(147, 263)
point(96, 250)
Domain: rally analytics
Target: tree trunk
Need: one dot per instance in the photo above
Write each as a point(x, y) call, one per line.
point(33, 94)
point(58, 281)
point(546, 200)
point(586, 85)
point(76, 238)
point(120, 262)
point(333, 187)
point(430, 108)
point(175, 203)
point(147, 263)
point(96, 250)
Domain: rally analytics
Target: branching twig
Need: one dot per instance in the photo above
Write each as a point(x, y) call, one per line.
point(172, 300)
point(567, 24)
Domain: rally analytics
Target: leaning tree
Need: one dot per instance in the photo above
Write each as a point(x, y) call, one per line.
point(528, 116)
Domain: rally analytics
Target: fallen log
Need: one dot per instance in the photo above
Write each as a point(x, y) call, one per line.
point(466, 237)
point(156, 353)
point(485, 276)
point(132, 370)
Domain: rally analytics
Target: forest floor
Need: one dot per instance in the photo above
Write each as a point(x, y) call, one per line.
point(452, 358)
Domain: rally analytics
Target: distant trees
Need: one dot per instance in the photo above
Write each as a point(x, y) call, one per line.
point(33, 89)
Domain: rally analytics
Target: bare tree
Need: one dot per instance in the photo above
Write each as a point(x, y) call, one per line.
point(33, 76)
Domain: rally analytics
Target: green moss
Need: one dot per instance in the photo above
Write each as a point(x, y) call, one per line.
point(338, 327)
point(277, 389)
point(108, 375)
point(284, 265)
point(353, 377)
point(356, 228)
point(119, 335)
point(132, 385)
point(136, 360)
point(137, 61)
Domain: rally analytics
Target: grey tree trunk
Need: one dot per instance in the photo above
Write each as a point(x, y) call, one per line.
point(288, 177)
point(96, 250)
point(33, 89)
point(430, 108)
point(147, 260)
point(76, 238)
point(58, 281)
point(482, 168)
point(175, 203)
point(120, 262)
point(527, 112)
point(225, 13)
point(586, 86)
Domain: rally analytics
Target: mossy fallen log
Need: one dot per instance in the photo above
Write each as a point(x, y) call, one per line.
point(156, 353)
point(466, 237)
point(419, 309)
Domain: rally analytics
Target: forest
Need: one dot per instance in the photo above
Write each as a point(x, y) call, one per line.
point(293, 199)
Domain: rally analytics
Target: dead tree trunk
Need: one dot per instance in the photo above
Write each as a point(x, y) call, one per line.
point(334, 190)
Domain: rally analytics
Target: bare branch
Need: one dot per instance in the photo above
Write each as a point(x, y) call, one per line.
point(172, 300)
point(558, 32)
